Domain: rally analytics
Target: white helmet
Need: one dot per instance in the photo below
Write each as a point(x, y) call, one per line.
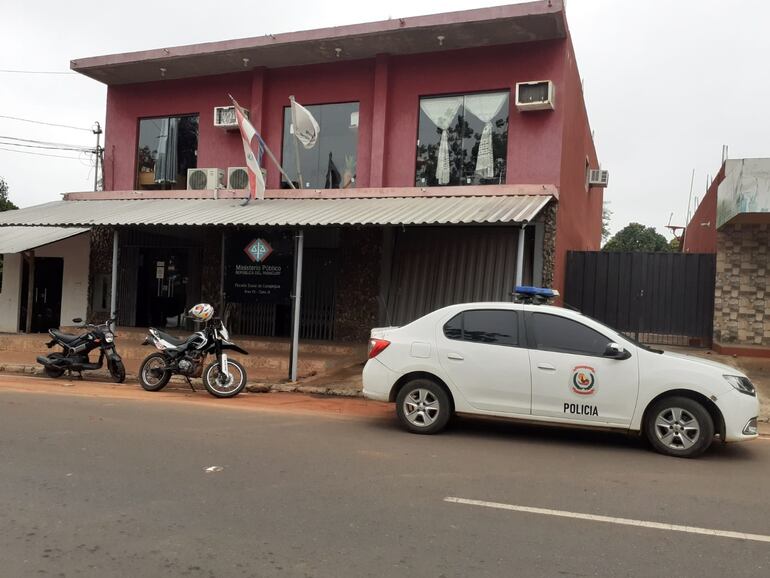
point(201, 311)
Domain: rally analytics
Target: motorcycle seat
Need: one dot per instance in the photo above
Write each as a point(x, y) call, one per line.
point(64, 337)
point(175, 341)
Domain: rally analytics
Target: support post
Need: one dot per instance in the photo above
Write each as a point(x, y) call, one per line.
point(222, 280)
point(97, 130)
point(296, 141)
point(299, 244)
point(114, 280)
point(520, 257)
point(29, 256)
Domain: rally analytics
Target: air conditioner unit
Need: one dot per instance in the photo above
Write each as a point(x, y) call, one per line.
point(537, 95)
point(598, 178)
point(224, 117)
point(205, 179)
point(237, 178)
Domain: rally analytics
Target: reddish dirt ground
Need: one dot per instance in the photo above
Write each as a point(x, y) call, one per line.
point(277, 402)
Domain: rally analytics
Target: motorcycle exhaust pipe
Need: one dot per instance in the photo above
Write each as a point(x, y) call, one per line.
point(42, 360)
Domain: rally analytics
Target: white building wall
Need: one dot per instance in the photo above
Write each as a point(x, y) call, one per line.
point(9, 295)
point(75, 252)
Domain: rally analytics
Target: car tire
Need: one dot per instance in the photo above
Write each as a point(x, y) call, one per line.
point(679, 426)
point(423, 406)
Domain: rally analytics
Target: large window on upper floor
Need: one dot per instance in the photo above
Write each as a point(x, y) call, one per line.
point(331, 163)
point(168, 146)
point(462, 139)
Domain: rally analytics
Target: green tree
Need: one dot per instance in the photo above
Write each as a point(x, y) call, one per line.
point(637, 238)
point(606, 214)
point(5, 202)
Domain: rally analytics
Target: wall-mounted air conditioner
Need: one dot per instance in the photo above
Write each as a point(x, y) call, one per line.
point(237, 178)
point(537, 95)
point(224, 117)
point(205, 179)
point(598, 178)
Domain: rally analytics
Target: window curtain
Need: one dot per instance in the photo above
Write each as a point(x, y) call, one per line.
point(441, 112)
point(166, 166)
point(485, 107)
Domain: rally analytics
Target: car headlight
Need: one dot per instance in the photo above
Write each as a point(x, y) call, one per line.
point(742, 384)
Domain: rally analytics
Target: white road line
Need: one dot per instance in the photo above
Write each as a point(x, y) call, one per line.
point(611, 520)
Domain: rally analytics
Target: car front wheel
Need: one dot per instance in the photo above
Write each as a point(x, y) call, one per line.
point(679, 426)
point(423, 406)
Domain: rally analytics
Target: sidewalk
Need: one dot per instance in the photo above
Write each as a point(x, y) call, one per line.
point(344, 382)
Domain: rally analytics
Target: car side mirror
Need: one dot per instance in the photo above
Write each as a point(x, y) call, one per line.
point(615, 351)
point(77, 320)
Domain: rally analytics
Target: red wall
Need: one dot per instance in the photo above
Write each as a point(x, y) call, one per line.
point(579, 218)
point(392, 85)
point(701, 233)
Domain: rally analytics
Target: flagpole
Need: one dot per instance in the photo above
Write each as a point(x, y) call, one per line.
point(267, 149)
point(296, 141)
point(280, 168)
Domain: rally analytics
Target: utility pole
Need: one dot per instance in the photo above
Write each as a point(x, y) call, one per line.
point(97, 130)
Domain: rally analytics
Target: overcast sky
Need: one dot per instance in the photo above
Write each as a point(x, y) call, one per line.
point(666, 83)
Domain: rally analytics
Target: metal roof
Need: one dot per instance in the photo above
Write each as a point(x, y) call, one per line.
point(527, 22)
point(282, 212)
point(18, 239)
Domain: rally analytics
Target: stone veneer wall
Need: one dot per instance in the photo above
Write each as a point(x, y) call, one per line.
point(358, 277)
point(548, 215)
point(211, 268)
point(742, 291)
point(100, 262)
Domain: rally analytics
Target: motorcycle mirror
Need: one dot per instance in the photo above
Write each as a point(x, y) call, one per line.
point(77, 320)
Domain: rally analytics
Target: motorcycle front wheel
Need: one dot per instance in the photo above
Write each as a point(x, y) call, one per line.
point(220, 386)
point(117, 370)
point(153, 375)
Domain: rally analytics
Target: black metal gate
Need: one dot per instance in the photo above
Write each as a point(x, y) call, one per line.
point(663, 298)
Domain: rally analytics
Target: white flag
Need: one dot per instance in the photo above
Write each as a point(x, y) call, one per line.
point(305, 126)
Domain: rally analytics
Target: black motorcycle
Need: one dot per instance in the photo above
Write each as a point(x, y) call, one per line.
point(223, 377)
point(76, 349)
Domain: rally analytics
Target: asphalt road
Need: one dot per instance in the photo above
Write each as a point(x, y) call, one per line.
point(94, 486)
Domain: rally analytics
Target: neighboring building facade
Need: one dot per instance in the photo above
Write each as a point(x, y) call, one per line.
point(733, 221)
point(428, 185)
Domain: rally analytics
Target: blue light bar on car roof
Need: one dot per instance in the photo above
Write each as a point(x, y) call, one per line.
point(535, 291)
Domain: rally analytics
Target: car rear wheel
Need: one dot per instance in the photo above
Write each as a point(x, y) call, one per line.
point(679, 426)
point(423, 406)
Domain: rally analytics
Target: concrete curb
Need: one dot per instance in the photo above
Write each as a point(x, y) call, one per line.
point(338, 390)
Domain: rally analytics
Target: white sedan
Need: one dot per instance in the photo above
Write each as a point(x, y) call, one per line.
point(548, 364)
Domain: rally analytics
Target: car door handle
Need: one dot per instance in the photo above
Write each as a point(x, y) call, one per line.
point(456, 356)
point(546, 366)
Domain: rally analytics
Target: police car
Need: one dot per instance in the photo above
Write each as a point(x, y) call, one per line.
point(532, 361)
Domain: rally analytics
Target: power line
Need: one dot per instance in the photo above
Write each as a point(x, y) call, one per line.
point(40, 154)
point(46, 123)
point(45, 142)
point(44, 147)
point(37, 71)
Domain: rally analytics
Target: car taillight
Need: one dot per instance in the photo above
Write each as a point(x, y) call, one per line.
point(376, 346)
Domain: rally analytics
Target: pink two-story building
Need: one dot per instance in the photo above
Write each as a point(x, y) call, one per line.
point(454, 161)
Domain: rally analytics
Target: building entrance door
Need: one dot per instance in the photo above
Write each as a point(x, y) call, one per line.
point(162, 287)
point(46, 294)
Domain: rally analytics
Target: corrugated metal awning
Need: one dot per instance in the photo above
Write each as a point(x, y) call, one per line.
point(18, 239)
point(283, 212)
